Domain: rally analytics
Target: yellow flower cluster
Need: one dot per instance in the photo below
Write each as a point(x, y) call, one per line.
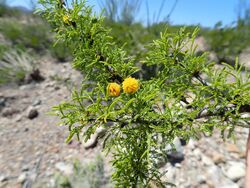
point(66, 19)
point(129, 85)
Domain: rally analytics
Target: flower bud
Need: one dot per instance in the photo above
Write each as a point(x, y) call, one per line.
point(114, 89)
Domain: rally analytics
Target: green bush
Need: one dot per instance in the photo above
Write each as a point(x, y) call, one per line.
point(61, 52)
point(3, 49)
point(87, 176)
point(228, 42)
point(141, 115)
point(14, 66)
point(34, 35)
point(6, 11)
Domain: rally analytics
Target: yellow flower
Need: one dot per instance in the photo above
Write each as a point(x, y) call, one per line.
point(130, 85)
point(114, 89)
point(66, 19)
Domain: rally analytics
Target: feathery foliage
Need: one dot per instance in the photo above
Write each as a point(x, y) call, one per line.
point(176, 102)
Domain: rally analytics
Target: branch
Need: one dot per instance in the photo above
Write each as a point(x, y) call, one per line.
point(202, 114)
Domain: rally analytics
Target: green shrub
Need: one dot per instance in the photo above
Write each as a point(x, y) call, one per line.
point(61, 52)
point(3, 49)
point(6, 11)
point(33, 35)
point(144, 114)
point(87, 176)
point(228, 42)
point(14, 66)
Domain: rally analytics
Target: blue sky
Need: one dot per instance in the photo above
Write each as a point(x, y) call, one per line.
point(204, 12)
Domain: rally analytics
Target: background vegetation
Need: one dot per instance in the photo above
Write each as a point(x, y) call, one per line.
point(26, 32)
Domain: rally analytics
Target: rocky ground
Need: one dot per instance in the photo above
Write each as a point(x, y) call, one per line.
point(32, 147)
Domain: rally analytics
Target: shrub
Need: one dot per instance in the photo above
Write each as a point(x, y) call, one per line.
point(14, 66)
point(87, 176)
point(61, 52)
point(6, 11)
point(175, 102)
point(3, 49)
point(33, 35)
point(228, 42)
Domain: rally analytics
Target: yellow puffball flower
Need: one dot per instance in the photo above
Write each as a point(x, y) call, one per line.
point(114, 89)
point(130, 85)
point(66, 19)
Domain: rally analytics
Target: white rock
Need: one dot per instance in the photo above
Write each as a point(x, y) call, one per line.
point(22, 177)
point(191, 144)
point(201, 179)
point(215, 176)
point(207, 161)
point(67, 169)
point(92, 142)
point(197, 153)
point(245, 115)
point(171, 173)
point(177, 165)
point(229, 184)
point(177, 144)
point(235, 171)
point(3, 178)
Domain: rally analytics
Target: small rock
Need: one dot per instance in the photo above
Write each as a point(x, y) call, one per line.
point(101, 131)
point(9, 112)
point(26, 87)
point(25, 168)
point(32, 113)
point(229, 184)
point(235, 171)
point(22, 177)
point(215, 178)
point(2, 102)
point(197, 153)
point(3, 178)
point(191, 144)
point(232, 148)
point(235, 156)
point(18, 118)
point(92, 142)
point(49, 84)
point(201, 179)
point(218, 158)
point(33, 176)
point(171, 172)
point(177, 165)
point(36, 75)
point(242, 155)
point(27, 183)
point(245, 115)
point(37, 102)
point(213, 57)
point(175, 155)
point(57, 87)
point(206, 160)
point(67, 169)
